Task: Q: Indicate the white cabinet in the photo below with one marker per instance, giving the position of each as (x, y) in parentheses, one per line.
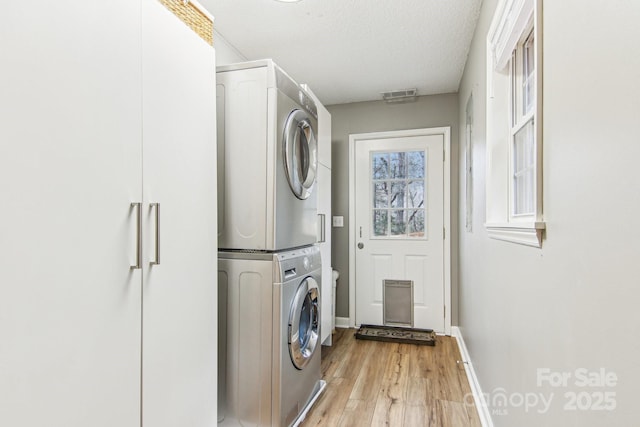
(324, 220)
(78, 138)
(326, 288)
(179, 358)
(70, 165)
(180, 293)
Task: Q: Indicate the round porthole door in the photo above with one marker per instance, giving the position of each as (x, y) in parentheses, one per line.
(304, 323)
(300, 153)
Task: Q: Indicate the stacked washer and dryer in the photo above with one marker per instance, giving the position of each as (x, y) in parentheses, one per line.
(269, 268)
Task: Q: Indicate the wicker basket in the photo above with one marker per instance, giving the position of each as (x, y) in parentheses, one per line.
(192, 15)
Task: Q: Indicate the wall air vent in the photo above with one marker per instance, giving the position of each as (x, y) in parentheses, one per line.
(403, 95)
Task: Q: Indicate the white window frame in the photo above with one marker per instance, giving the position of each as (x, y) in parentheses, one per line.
(513, 23)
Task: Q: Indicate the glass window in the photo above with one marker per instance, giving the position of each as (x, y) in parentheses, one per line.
(415, 194)
(415, 223)
(523, 145)
(380, 223)
(380, 165)
(398, 222)
(381, 195)
(524, 170)
(528, 77)
(415, 164)
(398, 165)
(398, 192)
(398, 183)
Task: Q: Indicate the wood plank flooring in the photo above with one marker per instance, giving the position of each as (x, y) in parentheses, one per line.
(372, 383)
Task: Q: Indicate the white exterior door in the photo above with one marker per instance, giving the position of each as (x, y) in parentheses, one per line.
(399, 225)
(179, 337)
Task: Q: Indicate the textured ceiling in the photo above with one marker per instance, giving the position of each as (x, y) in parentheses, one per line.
(351, 50)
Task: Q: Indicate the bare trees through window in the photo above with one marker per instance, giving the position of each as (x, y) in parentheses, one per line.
(398, 180)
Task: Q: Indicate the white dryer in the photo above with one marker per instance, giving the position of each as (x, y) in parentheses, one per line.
(267, 159)
(269, 336)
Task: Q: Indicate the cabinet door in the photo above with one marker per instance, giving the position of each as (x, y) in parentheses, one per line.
(324, 209)
(179, 293)
(326, 288)
(70, 166)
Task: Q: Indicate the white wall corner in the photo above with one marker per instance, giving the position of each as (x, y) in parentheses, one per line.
(474, 384)
(342, 322)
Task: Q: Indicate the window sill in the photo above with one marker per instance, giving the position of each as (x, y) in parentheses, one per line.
(525, 233)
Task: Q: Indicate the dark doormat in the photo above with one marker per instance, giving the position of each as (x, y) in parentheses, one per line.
(396, 334)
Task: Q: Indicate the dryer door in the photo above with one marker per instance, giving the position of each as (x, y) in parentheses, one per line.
(300, 153)
(304, 323)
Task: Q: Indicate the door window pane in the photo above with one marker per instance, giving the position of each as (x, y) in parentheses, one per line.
(398, 165)
(381, 196)
(398, 191)
(415, 223)
(380, 223)
(380, 165)
(415, 164)
(398, 222)
(415, 194)
(398, 199)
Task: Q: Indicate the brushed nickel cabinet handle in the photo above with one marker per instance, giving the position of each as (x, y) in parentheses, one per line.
(323, 231)
(157, 206)
(138, 263)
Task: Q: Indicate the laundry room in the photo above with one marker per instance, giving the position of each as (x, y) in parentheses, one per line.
(256, 98)
(297, 213)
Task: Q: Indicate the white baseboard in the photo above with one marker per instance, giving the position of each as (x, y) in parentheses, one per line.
(478, 397)
(342, 322)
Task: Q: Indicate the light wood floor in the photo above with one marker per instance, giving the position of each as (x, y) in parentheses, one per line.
(372, 383)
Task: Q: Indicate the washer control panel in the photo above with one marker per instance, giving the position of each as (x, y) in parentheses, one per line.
(297, 262)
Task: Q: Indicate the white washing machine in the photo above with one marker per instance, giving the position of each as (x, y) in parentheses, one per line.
(267, 159)
(269, 337)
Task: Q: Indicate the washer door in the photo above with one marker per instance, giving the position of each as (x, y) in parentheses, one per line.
(304, 323)
(300, 153)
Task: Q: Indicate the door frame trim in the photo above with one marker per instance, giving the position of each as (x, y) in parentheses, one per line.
(353, 140)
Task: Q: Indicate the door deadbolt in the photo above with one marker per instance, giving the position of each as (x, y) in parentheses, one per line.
(360, 245)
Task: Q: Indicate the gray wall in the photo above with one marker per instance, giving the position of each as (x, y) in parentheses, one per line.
(377, 116)
(574, 303)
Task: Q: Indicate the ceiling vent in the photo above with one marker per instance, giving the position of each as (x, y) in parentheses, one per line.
(403, 95)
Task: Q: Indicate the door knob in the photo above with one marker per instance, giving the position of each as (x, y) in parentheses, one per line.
(360, 245)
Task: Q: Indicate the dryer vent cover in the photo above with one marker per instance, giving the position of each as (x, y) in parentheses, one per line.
(397, 303)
